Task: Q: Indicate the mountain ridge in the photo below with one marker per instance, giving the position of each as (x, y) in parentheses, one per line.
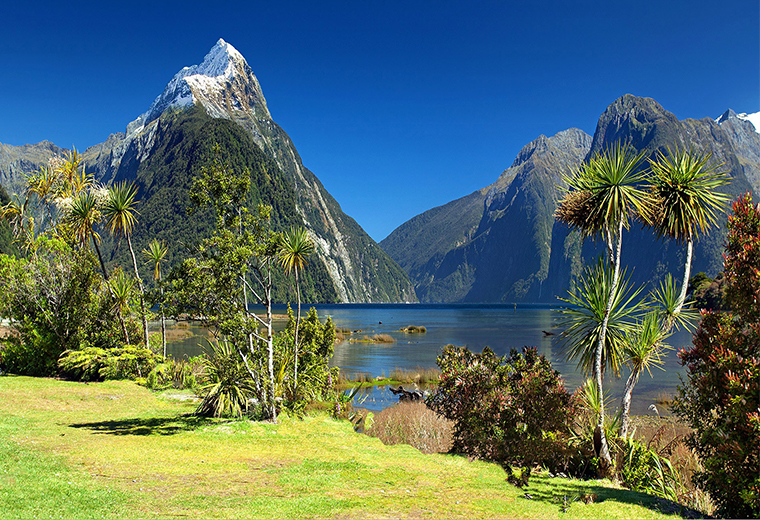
(500, 261)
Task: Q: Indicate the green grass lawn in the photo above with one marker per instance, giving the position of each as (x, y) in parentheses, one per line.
(117, 450)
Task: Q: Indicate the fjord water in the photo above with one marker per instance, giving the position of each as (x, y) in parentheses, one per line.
(499, 326)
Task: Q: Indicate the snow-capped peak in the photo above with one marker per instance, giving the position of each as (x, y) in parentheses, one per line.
(220, 61)
(219, 67)
(752, 118)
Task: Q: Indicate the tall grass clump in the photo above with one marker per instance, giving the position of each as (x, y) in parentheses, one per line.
(414, 424)
(418, 375)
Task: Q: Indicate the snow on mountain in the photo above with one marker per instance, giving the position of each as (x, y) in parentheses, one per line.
(752, 118)
(203, 84)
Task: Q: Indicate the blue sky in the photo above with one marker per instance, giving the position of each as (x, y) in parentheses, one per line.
(397, 106)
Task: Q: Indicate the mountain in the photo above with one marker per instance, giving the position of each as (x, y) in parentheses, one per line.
(517, 252)
(207, 98)
(15, 161)
(492, 245)
(744, 132)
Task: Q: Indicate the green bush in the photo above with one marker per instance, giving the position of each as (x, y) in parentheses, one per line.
(97, 364)
(645, 470)
(228, 385)
(57, 301)
(176, 373)
(35, 356)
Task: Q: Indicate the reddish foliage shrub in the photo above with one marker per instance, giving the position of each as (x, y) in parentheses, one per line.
(512, 410)
(721, 398)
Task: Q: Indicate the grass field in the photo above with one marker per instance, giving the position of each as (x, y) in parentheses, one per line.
(115, 450)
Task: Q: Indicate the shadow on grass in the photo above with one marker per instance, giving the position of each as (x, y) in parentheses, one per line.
(564, 495)
(152, 426)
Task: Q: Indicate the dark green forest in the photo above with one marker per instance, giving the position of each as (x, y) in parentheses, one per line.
(184, 143)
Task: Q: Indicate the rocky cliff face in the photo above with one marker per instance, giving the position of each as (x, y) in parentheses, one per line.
(745, 138)
(499, 248)
(517, 252)
(16, 161)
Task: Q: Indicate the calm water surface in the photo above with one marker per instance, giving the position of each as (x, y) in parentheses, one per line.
(500, 327)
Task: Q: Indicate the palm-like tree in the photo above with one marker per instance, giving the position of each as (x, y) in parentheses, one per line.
(154, 255)
(44, 184)
(295, 249)
(21, 223)
(582, 320)
(604, 195)
(82, 217)
(684, 183)
(121, 287)
(643, 349)
(121, 217)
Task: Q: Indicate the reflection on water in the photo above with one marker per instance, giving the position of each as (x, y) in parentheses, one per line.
(500, 327)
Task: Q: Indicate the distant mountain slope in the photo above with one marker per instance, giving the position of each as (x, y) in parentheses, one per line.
(16, 161)
(519, 253)
(184, 141)
(492, 245)
(745, 137)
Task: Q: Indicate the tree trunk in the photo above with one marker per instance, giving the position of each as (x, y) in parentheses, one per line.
(598, 368)
(298, 321)
(163, 321)
(686, 275)
(100, 257)
(270, 350)
(142, 292)
(626, 402)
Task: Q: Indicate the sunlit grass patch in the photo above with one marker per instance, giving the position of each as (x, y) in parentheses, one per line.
(117, 450)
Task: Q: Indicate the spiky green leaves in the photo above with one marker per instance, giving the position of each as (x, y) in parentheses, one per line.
(154, 255)
(684, 183)
(83, 215)
(644, 345)
(119, 209)
(296, 246)
(582, 321)
(606, 190)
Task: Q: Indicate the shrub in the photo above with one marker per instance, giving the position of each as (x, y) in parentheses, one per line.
(644, 470)
(512, 410)
(414, 329)
(35, 355)
(57, 301)
(97, 364)
(228, 386)
(720, 399)
(176, 373)
(414, 424)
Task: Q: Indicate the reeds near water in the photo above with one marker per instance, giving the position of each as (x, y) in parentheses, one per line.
(417, 375)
